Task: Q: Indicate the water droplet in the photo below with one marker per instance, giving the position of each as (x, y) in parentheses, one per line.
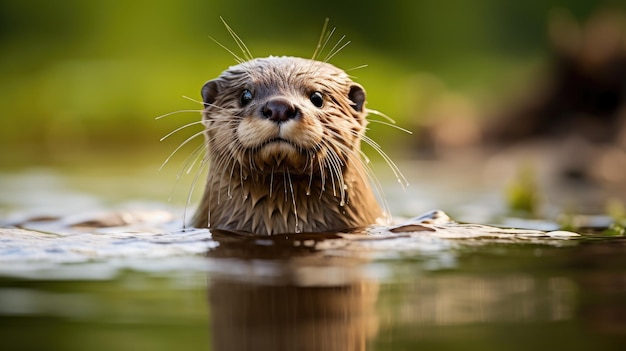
(297, 229)
(342, 203)
(244, 197)
(308, 192)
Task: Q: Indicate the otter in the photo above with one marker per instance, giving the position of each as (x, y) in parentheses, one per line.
(283, 138)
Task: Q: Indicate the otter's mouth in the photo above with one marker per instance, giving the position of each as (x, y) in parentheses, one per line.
(286, 142)
(279, 141)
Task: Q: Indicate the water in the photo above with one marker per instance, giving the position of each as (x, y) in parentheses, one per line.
(139, 283)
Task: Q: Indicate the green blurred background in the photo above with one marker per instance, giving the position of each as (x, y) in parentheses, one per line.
(91, 76)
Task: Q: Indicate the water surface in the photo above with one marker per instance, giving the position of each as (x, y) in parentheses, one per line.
(142, 283)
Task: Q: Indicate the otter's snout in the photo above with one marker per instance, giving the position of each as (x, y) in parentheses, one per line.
(279, 110)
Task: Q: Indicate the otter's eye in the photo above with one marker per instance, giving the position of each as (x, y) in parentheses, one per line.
(317, 99)
(246, 97)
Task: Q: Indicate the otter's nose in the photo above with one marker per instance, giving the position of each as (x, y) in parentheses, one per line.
(279, 110)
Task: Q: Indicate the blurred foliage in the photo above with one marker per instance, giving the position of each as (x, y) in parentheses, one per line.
(78, 75)
(522, 193)
(616, 209)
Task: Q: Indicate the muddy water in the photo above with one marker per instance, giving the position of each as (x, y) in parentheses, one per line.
(101, 262)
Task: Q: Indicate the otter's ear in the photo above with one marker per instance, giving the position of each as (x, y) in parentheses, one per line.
(209, 92)
(357, 96)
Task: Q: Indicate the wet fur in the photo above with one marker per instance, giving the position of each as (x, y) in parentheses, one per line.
(305, 174)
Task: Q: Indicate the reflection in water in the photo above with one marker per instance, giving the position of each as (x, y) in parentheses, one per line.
(286, 317)
(309, 301)
(285, 293)
(282, 294)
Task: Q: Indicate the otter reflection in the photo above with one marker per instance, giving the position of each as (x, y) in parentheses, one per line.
(281, 293)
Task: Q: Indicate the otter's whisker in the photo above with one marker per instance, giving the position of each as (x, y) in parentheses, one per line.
(334, 51)
(193, 155)
(311, 159)
(293, 201)
(367, 172)
(319, 46)
(251, 163)
(271, 182)
(331, 51)
(396, 171)
(241, 179)
(334, 166)
(355, 68)
(179, 147)
(398, 174)
(203, 165)
(193, 100)
(237, 58)
(339, 165)
(176, 112)
(329, 166)
(371, 176)
(223, 161)
(224, 164)
(378, 113)
(378, 188)
(391, 125)
(322, 164)
(179, 129)
(366, 160)
(232, 172)
(242, 46)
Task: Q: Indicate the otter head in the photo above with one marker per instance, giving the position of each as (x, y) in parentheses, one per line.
(283, 143)
(283, 113)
